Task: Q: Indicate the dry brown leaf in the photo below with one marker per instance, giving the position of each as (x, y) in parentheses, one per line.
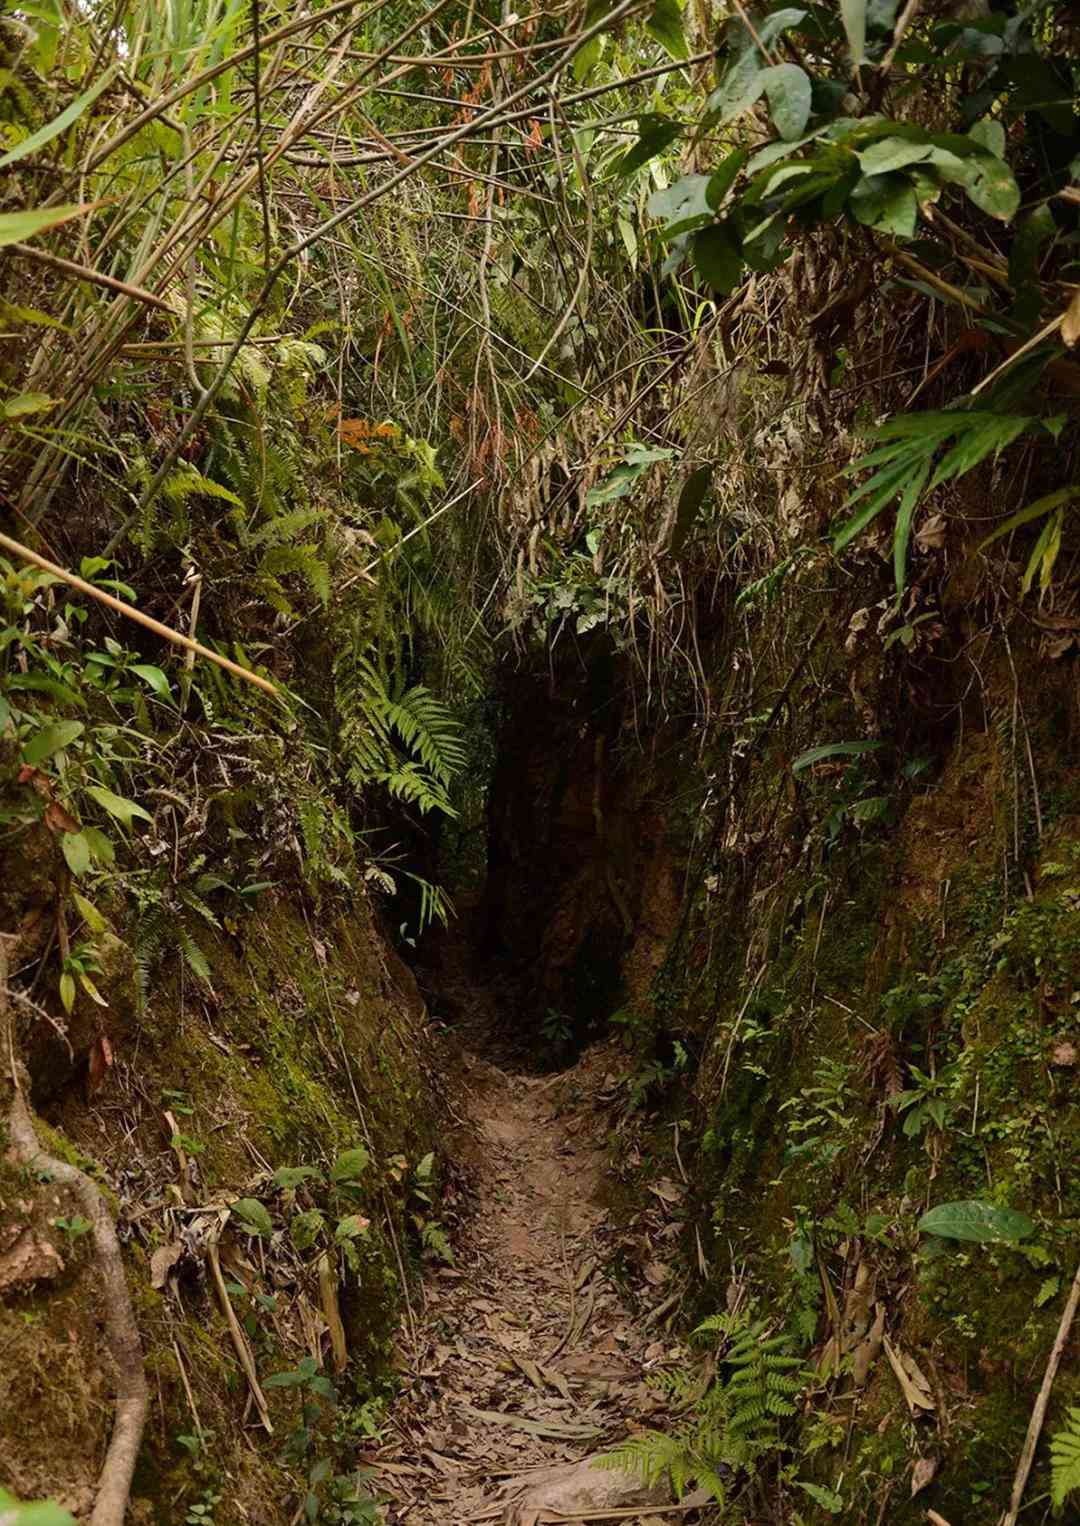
(868, 1351)
(913, 1384)
(1070, 324)
(162, 1262)
(922, 1474)
(57, 819)
(101, 1058)
(930, 536)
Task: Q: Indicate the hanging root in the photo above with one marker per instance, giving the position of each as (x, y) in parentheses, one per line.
(121, 1330)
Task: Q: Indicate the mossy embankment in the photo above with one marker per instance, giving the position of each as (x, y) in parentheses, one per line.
(305, 1050)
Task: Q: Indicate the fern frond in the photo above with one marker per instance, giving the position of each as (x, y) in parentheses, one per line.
(283, 529)
(303, 559)
(1065, 1459)
(194, 956)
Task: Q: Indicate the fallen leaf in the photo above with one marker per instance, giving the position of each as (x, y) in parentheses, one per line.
(930, 536)
(101, 1058)
(922, 1474)
(57, 819)
(913, 1384)
(867, 1351)
(162, 1262)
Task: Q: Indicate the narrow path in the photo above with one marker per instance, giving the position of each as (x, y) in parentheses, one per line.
(529, 1359)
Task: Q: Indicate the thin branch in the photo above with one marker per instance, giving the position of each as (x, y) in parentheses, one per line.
(166, 632)
(94, 277)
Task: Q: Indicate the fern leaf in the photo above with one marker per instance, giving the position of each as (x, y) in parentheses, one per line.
(1065, 1459)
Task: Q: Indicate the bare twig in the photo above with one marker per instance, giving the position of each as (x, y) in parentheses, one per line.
(1038, 1414)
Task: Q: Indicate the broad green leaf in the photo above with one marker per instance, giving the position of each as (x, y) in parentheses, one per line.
(76, 851)
(832, 750)
(89, 912)
(989, 134)
(125, 811)
(787, 90)
(17, 227)
(305, 1228)
(100, 846)
(292, 1176)
(253, 1216)
(853, 14)
(717, 257)
(154, 677)
(59, 124)
(892, 154)
(987, 181)
(292, 1379)
(885, 202)
(91, 990)
(980, 1223)
(350, 1165)
(67, 990)
(350, 1226)
(51, 739)
(740, 88)
(1031, 233)
(655, 133)
(724, 176)
(27, 402)
(682, 206)
(587, 58)
(666, 26)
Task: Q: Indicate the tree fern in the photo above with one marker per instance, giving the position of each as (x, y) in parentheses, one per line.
(1065, 1459)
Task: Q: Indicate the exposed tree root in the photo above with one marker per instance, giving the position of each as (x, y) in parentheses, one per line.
(121, 1330)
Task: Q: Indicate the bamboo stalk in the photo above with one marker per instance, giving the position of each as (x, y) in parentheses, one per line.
(166, 632)
(95, 277)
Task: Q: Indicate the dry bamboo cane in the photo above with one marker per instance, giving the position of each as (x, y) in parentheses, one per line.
(166, 632)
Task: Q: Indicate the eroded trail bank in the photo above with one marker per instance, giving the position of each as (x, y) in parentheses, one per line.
(528, 1358)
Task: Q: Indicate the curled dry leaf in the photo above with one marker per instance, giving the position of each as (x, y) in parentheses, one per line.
(101, 1058)
(162, 1262)
(57, 819)
(930, 536)
(922, 1474)
(912, 1380)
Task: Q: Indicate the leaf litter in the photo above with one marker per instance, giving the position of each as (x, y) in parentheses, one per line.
(530, 1361)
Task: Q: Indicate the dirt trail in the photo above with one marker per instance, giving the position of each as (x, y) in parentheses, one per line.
(528, 1356)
